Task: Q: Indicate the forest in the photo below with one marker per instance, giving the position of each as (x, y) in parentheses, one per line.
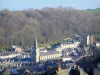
(48, 24)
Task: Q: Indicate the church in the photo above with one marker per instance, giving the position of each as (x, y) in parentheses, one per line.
(38, 56)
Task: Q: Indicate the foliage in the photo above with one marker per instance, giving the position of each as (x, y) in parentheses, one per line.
(49, 24)
(93, 10)
(97, 37)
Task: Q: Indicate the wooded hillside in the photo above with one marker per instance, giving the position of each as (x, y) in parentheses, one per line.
(49, 24)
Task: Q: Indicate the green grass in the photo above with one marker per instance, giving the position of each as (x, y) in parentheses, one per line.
(93, 10)
(44, 45)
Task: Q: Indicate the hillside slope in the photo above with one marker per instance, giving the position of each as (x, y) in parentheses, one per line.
(49, 24)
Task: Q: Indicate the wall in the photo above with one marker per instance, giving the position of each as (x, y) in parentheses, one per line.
(96, 71)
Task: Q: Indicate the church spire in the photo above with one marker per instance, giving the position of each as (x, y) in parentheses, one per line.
(35, 42)
(35, 51)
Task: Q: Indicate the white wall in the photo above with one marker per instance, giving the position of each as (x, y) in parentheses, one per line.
(98, 44)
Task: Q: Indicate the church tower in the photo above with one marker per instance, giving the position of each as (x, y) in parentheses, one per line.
(35, 51)
(90, 39)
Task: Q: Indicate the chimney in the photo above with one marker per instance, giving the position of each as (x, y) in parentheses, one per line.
(59, 67)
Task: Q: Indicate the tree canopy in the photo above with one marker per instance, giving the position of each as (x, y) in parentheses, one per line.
(50, 24)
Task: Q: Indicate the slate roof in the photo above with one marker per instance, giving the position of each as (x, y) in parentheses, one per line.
(67, 42)
(56, 45)
(49, 53)
(38, 67)
(66, 57)
(7, 53)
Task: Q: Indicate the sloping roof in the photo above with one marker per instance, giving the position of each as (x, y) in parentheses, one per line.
(67, 42)
(66, 57)
(49, 53)
(7, 53)
(56, 45)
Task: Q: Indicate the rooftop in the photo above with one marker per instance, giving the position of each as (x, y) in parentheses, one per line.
(67, 42)
(7, 53)
(49, 53)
